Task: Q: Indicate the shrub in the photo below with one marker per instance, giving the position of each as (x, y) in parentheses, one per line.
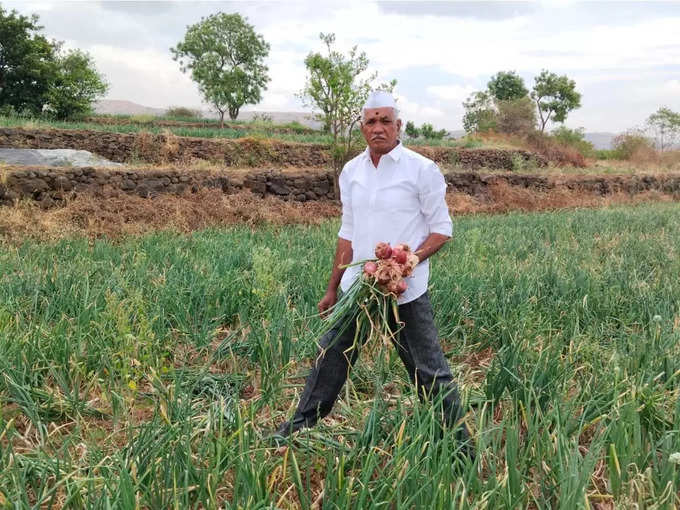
(606, 154)
(182, 112)
(634, 146)
(262, 118)
(554, 151)
(574, 138)
(516, 116)
(671, 159)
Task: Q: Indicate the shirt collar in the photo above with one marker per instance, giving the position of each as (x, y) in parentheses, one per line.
(395, 153)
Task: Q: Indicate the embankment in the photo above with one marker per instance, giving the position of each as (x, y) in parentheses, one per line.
(168, 148)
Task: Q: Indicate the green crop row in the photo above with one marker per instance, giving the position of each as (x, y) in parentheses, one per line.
(253, 130)
(147, 372)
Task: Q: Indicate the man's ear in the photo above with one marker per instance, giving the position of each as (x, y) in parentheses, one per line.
(399, 125)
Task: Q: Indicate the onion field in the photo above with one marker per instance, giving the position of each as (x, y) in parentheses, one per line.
(148, 372)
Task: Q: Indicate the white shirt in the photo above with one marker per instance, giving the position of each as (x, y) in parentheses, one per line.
(400, 201)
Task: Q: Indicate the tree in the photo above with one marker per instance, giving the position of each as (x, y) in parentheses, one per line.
(480, 113)
(333, 86)
(507, 86)
(429, 132)
(515, 116)
(665, 126)
(226, 60)
(555, 96)
(76, 85)
(27, 63)
(411, 130)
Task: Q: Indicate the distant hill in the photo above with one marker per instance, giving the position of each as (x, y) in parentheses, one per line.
(601, 140)
(123, 107)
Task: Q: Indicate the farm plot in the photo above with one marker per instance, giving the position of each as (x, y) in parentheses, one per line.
(147, 372)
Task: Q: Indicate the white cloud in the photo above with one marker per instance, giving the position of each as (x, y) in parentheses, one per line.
(451, 92)
(672, 87)
(626, 64)
(411, 110)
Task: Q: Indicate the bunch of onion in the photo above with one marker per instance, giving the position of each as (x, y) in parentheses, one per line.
(391, 267)
(371, 300)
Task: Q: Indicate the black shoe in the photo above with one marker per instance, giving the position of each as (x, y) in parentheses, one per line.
(285, 430)
(467, 444)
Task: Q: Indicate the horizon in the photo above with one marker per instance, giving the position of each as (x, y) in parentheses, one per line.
(623, 56)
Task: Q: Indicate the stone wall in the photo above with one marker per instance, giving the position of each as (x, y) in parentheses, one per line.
(49, 186)
(160, 149)
(478, 184)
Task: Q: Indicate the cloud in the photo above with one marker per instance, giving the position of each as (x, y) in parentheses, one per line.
(412, 110)
(451, 92)
(672, 87)
(624, 57)
(479, 10)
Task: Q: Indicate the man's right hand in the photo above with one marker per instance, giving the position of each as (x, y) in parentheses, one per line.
(327, 301)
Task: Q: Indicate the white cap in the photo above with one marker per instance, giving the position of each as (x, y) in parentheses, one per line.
(380, 99)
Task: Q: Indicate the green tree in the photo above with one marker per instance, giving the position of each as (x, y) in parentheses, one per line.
(480, 113)
(555, 96)
(334, 88)
(226, 59)
(27, 63)
(76, 85)
(507, 86)
(429, 132)
(665, 127)
(411, 130)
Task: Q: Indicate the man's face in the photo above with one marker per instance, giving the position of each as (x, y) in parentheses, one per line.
(380, 129)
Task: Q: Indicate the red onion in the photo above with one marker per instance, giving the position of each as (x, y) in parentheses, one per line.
(370, 268)
(383, 251)
(399, 255)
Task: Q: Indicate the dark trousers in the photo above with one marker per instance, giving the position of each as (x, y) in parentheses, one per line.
(418, 346)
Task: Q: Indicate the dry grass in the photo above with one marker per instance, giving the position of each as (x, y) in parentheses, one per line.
(124, 215)
(132, 215)
(504, 198)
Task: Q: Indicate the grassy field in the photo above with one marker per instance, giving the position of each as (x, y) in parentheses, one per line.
(147, 372)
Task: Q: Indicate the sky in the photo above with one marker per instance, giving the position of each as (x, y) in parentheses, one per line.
(623, 56)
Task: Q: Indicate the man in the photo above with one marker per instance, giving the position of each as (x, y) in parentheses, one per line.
(392, 194)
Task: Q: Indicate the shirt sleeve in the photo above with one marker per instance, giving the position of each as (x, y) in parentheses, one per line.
(433, 201)
(347, 225)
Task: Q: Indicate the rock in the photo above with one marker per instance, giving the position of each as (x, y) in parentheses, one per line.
(32, 186)
(278, 188)
(62, 183)
(53, 157)
(128, 185)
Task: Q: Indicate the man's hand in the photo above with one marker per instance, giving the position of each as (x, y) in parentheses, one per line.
(327, 301)
(430, 246)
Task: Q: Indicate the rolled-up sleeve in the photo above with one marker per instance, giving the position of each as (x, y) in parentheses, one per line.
(347, 225)
(433, 201)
